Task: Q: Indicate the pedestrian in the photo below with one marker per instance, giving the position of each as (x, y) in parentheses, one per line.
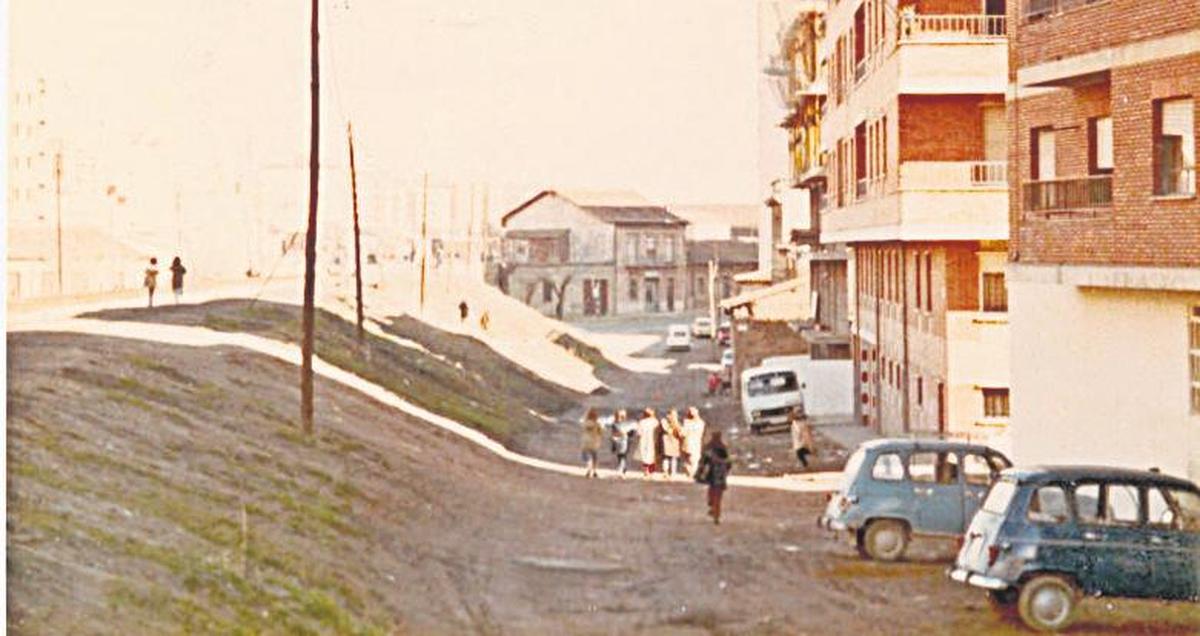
(177, 272)
(484, 321)
(619, 437)
(713, 470)
(802, 436)
(647, 429)
(151, 279)
(693, 438)
(592, 435)
(714, 383)
(672, 442)
(462, 311)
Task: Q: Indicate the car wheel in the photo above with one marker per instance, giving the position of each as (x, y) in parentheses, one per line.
(1047, 603)
(886, 540)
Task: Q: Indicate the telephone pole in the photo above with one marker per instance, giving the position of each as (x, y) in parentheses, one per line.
(310, 239)
(424, 234)
(357, 242)
(58, 214)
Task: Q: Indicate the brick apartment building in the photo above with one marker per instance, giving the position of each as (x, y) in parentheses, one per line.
(914, 128)
(1104, 276)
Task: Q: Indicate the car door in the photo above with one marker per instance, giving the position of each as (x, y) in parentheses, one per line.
(1173, 537)
(1114, 538)
(937, 491)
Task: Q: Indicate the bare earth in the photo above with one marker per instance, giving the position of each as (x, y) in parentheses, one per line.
(131, 464)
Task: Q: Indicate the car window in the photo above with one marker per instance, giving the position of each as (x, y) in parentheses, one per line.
(1124, 504)
(1087, 503)
(999, 462)
(1173, 508)
(888, 467)
(1048, 505)
(1159, 511)
(933, 468)
(978, 470)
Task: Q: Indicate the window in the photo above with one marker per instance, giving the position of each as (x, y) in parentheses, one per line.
(978, 470)
(1158, 511)
(1043, 159)
(1111, 504)
(633, 289)
(917, 269)
(1100, 145)
(928, 281)
(995, 402)
(1123, 503)
(995, 293)
(1174, 147)
(933, 468)
(1186, 510)
(999, 497)
(888, 468)
(547, 291)
(920, 391)
(1048, 505)
(1194, 356)
(650, 248)
(631, 248)
(1087, 503)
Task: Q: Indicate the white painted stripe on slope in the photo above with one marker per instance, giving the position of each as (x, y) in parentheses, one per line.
(203, 337)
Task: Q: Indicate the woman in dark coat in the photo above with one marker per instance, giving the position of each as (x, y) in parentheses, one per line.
(177, 272)
(713, 469)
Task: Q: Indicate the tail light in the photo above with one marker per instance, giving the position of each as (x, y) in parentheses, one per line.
(959, 542)
(993, 554)
(828, 497)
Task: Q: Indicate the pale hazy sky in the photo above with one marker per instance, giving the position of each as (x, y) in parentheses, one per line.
(652, 95)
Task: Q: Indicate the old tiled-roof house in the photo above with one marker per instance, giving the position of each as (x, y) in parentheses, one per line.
(602, 257)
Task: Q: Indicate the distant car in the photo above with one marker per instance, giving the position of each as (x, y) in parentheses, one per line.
(702, 327)
(1045, 536)
(727, 360)
(724, 335)
(678, 338)
(893, 489)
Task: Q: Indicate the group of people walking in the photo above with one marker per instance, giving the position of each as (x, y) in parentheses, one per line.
(667, 446)
(150, 281)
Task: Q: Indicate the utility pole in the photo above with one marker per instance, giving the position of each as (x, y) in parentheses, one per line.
(357, 242)
(178, 223)
(310, 239)
(58, 214)
(424, 234)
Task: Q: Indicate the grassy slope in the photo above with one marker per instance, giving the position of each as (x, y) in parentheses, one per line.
(484, 390)
(130, 469)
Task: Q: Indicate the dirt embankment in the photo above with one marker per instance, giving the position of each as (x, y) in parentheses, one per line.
(465, 380)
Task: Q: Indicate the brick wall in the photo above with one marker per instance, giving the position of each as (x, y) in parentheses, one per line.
(943, 127)
(1139, 228)
(1096, 25)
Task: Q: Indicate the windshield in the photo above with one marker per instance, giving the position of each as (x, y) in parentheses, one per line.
(679, 331)
(999, 497)
(851, 471)
(771, 383)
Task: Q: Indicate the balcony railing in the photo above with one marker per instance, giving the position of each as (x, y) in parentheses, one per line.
(914, 26)
(989, 173)
(1065, 195)
(860, 70)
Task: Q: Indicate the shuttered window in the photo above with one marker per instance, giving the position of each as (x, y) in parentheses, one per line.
(1175, 147)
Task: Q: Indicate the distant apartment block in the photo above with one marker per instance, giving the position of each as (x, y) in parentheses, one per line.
(1105, 250)
(915, 134)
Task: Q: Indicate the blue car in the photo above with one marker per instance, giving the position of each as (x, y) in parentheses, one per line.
(1046, 536)
(893, 489)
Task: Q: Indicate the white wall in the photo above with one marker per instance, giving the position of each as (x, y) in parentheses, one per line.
(1100, 376)
(591, 239)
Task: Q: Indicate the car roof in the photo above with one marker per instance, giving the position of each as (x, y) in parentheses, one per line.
(1045, 474)
(901, 443)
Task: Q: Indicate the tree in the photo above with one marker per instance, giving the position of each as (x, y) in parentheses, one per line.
(560, 292)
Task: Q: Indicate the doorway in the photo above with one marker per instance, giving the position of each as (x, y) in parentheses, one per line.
(652, 302)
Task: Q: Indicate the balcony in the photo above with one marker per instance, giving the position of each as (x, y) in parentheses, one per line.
(933, 200)
(952, 28)
(1066, 196)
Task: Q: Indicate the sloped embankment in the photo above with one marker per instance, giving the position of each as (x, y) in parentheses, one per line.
(465, 380)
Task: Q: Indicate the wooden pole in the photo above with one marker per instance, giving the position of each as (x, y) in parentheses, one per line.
(310, 238)
(424, 233)
(58, 214)
(357, 241)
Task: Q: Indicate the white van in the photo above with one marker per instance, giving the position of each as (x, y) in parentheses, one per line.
(768, 395)
(679, 338)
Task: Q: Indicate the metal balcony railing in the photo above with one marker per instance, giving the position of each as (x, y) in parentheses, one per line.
(989, 173)
(915, 26)
(1064, 195)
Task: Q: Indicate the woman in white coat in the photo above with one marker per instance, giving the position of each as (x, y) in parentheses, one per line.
(647, 429)
(693, 438)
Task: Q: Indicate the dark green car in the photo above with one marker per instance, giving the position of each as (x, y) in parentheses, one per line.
(1045, 536)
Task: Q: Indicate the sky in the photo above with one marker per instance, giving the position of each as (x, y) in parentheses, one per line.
(653, 96)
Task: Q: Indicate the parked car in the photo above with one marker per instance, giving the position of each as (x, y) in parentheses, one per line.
(702, 327)
(893, 489)
(1045, 536)
(724, 335)
(726, 360)
(769, 393)
(678, 338)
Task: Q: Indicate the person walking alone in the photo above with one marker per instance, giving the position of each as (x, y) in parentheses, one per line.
(802, 437)
(177, 272)
(693, 439)
(713, 471)
(151, 279)
(619, 436)
(672, 431)
(647, 429)
(593, 434)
